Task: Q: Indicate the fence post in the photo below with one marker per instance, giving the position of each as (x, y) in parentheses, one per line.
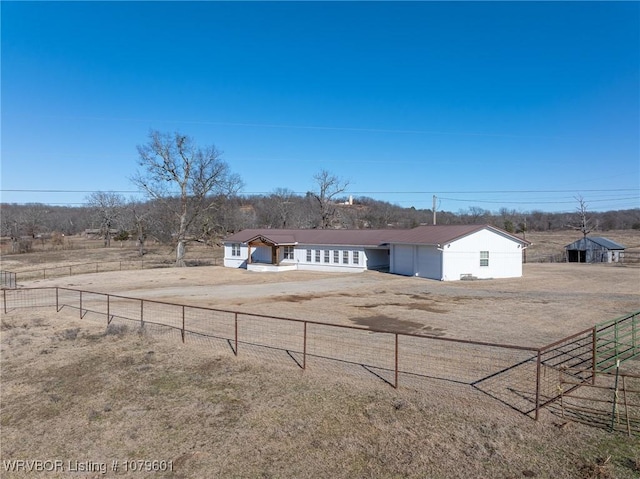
(183, 324)
(538, 368)
(80, 304)
(304, 347)
(236, 334)
(615, 396)
(142, 313)
(4, 300)
(396, 372)
(44, 273)
(615, 336)
(69, 270)
(108, 311)
(594, 355)
(57, 303)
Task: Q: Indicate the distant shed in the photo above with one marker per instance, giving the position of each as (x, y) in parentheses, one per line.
(594, 250)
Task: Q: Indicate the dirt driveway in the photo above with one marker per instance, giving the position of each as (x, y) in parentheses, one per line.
(550, 301)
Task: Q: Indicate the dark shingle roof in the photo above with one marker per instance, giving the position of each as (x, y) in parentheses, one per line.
(426, 235)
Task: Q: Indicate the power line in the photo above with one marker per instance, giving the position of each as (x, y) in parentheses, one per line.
(68, 191)
(491, 191)
(537, 202)
(311, 127)
(458, 192)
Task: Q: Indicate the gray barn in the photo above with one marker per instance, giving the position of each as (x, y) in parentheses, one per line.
(594, 250)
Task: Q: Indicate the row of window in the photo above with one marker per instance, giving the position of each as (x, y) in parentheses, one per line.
(326, 256)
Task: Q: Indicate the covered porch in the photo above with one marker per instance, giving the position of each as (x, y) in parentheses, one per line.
(270, 254)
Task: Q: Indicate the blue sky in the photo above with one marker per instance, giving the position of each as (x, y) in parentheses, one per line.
(522, 105)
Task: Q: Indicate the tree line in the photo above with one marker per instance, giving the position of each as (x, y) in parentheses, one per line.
(193, 196)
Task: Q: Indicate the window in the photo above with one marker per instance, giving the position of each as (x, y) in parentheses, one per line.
(336, 256)
(308, 256)
(326, 256)
(484, 258)
(317, 256)
(345, 257)
(288, 252)
(235, 249)
(356, 257)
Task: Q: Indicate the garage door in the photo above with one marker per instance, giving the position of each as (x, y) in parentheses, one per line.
(403, 260)
(429, 262)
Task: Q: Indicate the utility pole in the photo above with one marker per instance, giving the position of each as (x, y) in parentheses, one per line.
(434, 209)
(524, 237)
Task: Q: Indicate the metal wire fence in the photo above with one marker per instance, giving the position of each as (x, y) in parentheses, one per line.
(524, 378)
(101, 267)
(7, 279)
(569, 359)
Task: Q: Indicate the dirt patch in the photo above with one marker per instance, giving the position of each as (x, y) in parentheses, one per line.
(417, 306)
(395, 325)
(299, 298)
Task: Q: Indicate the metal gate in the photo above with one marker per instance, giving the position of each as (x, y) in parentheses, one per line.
(617, 340)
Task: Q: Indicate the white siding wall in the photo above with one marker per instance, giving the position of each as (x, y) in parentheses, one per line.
(235, 261)
(462, 257)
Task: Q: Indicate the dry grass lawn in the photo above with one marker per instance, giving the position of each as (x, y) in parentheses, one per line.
(75, 391)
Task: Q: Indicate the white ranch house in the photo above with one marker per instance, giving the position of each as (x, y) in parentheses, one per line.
(440, 252)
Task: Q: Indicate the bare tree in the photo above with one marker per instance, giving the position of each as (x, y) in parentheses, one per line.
(138, 219)
(277, 209)
(585, 222)
(329, 188)
(478, 215)
(187, 180)
(108, 207)
(11, 226)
